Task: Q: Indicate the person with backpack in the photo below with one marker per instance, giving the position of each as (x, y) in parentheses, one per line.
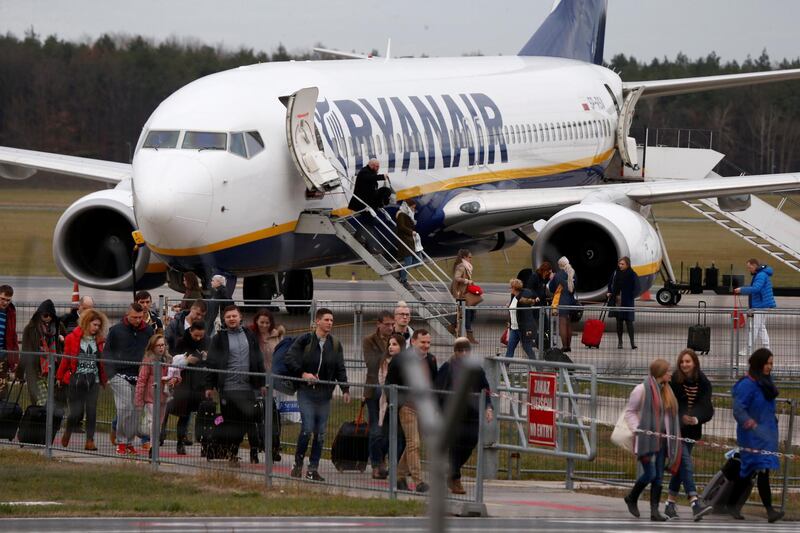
(316, 357)
(83, 374)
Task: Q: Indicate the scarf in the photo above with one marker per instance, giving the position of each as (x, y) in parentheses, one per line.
(652, 415)
(467, 269)
(564, 265)
(406, 209)
(767, 386)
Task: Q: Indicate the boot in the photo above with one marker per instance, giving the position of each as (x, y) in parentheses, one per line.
(180, 449)
(655, 500)
(379, 473)
(630, 335)
(90, 445)
(773, 515)
(619, 334)
(65, 438)
(113, 437)
(471, 337)
(633, 497)
(456, 487)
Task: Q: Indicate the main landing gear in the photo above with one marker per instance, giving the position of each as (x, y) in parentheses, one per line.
(297, 287)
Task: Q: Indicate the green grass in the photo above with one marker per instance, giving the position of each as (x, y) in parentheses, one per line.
(128, 490)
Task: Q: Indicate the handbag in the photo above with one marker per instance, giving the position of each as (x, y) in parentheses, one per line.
(622, 435)
(504, 337)
(417, 243)
(739, 317)
(473, 295)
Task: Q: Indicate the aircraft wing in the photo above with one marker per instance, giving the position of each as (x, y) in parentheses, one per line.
(655, 88)
(21, 164)
(484, 212)
(340, 54)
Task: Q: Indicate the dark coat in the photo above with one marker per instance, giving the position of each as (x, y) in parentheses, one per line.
(327, 366)
(395, 375)
(702, 409)
(525, 318)
(567, 298)
(445, 381)
(219, 352)
(127, 345)
(32, 338)
(12, 343)
(70, 320)
(218, 301)
(405, 232)
(189, 392)
(374, 348)
(174, 331)
(366, 189)
(624, 288)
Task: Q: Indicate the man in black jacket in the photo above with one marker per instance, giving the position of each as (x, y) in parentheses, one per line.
(126, 344)
(182, 322)
(316, 357)
(235, 350)
(410, 463)
(366, 189)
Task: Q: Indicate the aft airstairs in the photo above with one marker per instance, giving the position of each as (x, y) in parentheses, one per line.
(372, 236)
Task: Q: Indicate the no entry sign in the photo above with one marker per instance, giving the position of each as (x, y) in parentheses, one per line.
(541, 414)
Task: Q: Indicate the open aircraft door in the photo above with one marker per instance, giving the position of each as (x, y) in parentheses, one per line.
(304, 143)
(627, 145)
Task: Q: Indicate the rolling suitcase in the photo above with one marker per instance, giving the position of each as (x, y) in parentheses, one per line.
(33, 426)
(593, 331)
(350, 449)
(696, 279)
(205, 427)
(700, 334)
(10, 414)
(555, 355)
(721, 492)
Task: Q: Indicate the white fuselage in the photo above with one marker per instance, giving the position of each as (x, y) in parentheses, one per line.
(436, 126)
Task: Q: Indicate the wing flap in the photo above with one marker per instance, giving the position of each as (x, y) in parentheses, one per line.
(93, 169)
(655, 88)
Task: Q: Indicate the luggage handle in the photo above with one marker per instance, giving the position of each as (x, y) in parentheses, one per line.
(360, 418)
(702, 309)
(10, 388)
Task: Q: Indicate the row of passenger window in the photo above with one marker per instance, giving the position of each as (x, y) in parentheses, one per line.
(245, 144)
(515, 134)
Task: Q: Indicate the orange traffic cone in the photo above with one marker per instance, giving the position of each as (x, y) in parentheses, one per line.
(353, 277)
(646, 297)
(76, 297)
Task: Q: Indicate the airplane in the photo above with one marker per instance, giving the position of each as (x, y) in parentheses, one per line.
(226, 166)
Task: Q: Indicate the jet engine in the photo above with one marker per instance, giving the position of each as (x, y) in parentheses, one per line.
(593, 236)
(93, 245)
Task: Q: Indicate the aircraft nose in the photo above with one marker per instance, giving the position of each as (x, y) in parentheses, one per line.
(172, 199)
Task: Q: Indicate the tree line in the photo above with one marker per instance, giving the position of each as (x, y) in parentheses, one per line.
(91, 99)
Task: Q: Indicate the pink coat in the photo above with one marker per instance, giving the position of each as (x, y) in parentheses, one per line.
(144, 385)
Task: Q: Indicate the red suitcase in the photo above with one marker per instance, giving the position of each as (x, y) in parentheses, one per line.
(593, 333)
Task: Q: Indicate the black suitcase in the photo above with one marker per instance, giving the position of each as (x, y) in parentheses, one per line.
(712, 278)
(700, 334)
(261, 425)
(350, 449)
(555, 355)
(696, 280)
(204, 424)
(10, 414)
(721, 494)
(33, 426)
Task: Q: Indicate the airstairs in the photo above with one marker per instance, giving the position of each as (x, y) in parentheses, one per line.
(372, 236)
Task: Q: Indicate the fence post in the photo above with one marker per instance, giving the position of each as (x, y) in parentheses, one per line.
(461, 318)
(479, 466)
(155, 424)
(490, 433)
(540, 354)
(788, 449)
(570, 470)
(312, 312)
(392, 414)
(358, 321)
(162, 308)
(268, 404)
(50, 406)
(734, 359)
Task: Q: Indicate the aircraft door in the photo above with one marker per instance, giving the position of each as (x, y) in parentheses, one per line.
(627, 145)
(305, 145)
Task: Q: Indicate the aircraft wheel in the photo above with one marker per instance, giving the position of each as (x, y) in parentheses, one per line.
(665, 296)
(298, 285)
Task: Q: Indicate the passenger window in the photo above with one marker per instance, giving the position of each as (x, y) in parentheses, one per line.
(161, 139)
(237, 145)
(254, 143)
(530, 135)
(204, 140)
(519, 135)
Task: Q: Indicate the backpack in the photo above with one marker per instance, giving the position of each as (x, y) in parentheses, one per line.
(279, 368)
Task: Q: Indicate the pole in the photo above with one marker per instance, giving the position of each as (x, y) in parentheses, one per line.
(155, 424)
(392, 414)
(133, 269)
(479, 466)
(51, 404)
(788, 448)
(268, 429)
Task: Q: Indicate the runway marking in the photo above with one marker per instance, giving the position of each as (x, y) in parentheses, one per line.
(30, 504)
(557, 506)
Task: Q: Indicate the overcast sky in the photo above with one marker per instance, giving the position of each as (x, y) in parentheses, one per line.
(643, 28)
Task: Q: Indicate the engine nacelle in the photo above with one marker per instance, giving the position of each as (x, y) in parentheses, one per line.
(93, 245)
(593, 236)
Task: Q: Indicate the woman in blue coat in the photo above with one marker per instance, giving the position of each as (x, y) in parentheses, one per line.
(757, 426)
(623, 288)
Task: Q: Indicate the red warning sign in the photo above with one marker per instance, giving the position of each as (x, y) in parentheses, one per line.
(541, 411)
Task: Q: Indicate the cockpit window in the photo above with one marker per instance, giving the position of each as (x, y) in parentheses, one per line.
(254, 143)
(237, 145)
(161, 139)
(204, 140)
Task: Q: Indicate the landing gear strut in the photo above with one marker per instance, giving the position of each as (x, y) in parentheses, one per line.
(298, 285)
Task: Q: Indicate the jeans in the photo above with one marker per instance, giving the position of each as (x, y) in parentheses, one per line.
(407, 262)
(314, 410)
(653, 469)
(469, 316)
(685, 474)
(514, 338)
(376, 445)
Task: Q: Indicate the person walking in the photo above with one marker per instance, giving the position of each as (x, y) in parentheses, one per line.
(151, 318)
(757, 429)
(402, 321)
(623, 288)
(218, 300)
(467, 431)
(191, 356)
(562, 285)
(268, 335)
(182, 322)
(235, 350)
(760, 297)
(652, 415)
(43, 335)
(406, 232)
(315, 357)
(83, 373)
(537, 283)
(124, 350)
(693, 391)
(9, 345)
(374, 349)
(521, 324)
(192, 290)
(71, 318)
(147, 382)
(394, 346)
(462, 278)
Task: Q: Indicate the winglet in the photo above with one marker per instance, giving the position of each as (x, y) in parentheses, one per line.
(575, 29)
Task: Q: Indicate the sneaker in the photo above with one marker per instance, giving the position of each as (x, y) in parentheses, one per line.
(422, 487)
(671, 511)
(297, 471)
(121, 449)
(276, 456)
(180, 449)
(774, 516)
(130, 450)
(699, 510)
(402, 484)
(379, 473)
(146, 446)
(313, 475)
